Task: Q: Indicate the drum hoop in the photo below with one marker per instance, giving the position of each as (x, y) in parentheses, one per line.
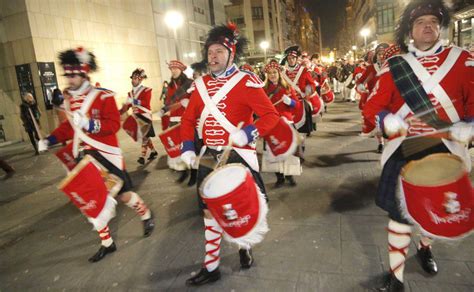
(413, 163)
(169, 129)
(201, 187)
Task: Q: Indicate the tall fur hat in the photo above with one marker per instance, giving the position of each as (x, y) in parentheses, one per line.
(78, 61)
(199, 67)
(290, 51)
(139, 72)
(228, 36)
(415, 9)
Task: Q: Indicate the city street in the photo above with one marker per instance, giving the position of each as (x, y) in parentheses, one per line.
(326, 233)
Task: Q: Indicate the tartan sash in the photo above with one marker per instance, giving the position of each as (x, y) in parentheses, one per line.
(413, 92)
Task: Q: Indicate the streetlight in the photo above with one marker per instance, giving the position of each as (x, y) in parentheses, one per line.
(174, 20)
(365, 33)
(264, 45)
(354, 49)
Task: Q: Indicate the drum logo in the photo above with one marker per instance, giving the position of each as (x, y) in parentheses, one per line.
(451, 204)
(229, 212)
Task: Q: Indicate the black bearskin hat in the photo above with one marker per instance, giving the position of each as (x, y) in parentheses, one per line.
(78, 61)
(291, 50)
(200, 67)
(139, 72)
(228, 36)
(415, 9)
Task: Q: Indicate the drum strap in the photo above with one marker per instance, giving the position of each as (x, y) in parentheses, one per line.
(294, 83)
(210, 104)
(79, 135)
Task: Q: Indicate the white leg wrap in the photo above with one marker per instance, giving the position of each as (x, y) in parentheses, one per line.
(399, 238)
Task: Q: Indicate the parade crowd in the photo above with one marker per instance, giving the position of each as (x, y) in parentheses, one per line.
(416, 99)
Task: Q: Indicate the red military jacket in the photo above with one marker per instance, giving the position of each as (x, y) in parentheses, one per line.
(370, 77)
(305, 79)
(456, 103)
(238, 105)
(276, 92)
(139, 100)
(175, 114)
(102, 112)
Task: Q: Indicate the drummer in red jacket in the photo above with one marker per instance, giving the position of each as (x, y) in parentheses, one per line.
(283, 97)
(139, 99)
(93, 127)
(412, 84)
(240, 96)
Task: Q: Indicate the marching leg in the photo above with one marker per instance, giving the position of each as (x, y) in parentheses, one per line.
(210, 270)
(280, 180)
(246, 257)
(144, 150)
(136, 203)
(398, 243)
(153, 152)
(107, 245)
(425, 257)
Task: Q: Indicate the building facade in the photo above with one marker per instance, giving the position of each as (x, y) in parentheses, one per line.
(123, 35)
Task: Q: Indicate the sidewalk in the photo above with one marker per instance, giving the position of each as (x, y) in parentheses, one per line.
(326, 233)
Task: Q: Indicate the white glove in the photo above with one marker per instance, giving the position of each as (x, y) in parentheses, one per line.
(239, 138)
(462, 132)
(43, 145)
(394, 124)
(161, 113)
(130, 100)
(184, 102)
(189, 158)
(286, 99)
(80, 121)
(361, 88)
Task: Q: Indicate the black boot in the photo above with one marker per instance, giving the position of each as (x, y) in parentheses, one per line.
(427, 262)
(183, 174)
(102, 252)
(192, 178)
(246, 258)
(148, 225)
(392, 284)
(380, 148)
(153, 155)
(290, 180)
(280, 180)
(141, 160)
(204, 277)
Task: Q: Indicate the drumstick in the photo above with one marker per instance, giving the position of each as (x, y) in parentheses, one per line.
(226, 153)
(424, 141)
(278, 102)
(35, 124)
(426, 112)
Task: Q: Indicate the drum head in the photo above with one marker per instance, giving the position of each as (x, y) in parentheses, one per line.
(434, 170)
(223, 180)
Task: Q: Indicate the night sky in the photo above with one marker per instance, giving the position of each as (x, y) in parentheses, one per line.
(331, 13)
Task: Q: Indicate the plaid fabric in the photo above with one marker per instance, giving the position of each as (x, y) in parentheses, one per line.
(386, 197)
(413, 93)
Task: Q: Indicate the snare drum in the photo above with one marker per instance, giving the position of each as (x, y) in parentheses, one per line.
(436, 195)
(235, 201)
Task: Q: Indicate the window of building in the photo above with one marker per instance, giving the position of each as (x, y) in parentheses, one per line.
(257, 12)
(385, 16)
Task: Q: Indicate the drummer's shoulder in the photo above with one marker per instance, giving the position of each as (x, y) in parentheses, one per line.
(252, 80)
(105, 93)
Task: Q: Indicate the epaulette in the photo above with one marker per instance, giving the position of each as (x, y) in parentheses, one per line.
(105, 93)
(253, 80)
